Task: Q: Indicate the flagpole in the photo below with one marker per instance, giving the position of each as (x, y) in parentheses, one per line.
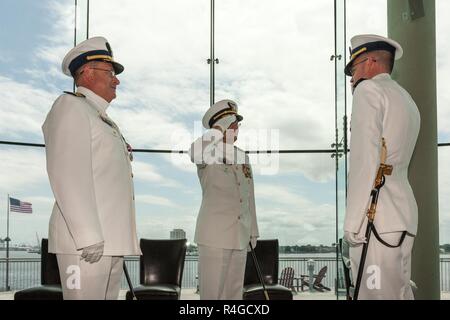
(7, 246)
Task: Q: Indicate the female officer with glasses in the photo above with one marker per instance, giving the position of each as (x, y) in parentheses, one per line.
(226, 222)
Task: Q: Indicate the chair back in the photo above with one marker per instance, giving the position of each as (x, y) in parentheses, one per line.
(321, 275)
(287, 277)
(49, 265)
(266, 252)
(162, 261)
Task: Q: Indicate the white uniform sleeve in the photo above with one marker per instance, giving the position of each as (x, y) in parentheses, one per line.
(365, 149)
(69, 166)
(204, 149)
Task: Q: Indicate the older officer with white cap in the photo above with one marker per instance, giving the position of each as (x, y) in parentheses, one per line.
(382, 109)
(226, 222)
(92, 225)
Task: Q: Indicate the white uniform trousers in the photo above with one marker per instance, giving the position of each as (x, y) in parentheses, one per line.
(221, 273)
(387, 271)
(82, 280)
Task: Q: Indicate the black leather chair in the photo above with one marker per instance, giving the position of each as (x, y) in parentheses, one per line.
(161, 270)
(267, 255)
(50, 288)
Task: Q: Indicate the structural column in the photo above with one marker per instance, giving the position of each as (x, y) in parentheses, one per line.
(412, 24)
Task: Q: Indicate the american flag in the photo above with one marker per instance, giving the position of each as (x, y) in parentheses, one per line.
(20, 206)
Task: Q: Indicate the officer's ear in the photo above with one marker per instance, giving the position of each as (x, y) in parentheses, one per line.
(88, 76)
(82, 74)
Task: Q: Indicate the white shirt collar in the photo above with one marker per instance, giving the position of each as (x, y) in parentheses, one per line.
(382, 76)
(100, 103)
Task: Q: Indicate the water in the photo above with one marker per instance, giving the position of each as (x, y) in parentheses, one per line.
(24, 254)
(19, 254)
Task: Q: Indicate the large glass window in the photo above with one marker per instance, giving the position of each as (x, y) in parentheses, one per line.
(363, 17)
(275, 59)
(443, 111)
(279, 69)
(167, 196)
(164, 46)
(273, 68)
(35, 37)
(296, 206)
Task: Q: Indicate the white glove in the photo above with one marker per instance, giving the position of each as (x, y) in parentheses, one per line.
(253, 241)
(225, 122)
(353, 239)
(93, 253)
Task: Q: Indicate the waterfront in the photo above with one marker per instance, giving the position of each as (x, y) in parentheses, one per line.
(25, 269)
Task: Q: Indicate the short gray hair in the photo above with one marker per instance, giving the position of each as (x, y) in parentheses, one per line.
(80, 70)
(384, 57)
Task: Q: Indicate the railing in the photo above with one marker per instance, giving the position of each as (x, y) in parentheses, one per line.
(300, 267)
(444, 267)
(25, 273)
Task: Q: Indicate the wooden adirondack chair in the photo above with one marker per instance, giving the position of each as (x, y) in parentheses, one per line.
(317, 284)
(287, 278)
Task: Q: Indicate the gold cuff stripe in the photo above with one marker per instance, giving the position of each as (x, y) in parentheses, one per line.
(358, 52)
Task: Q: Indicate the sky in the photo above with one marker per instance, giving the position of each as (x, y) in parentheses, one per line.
(274, 61)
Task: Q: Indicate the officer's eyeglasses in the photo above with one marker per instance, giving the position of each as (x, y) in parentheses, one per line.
(353, 69)
(112, 73)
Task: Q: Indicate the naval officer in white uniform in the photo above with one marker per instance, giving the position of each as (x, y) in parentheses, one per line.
(226, 222)
(92, 225)
(381, 109)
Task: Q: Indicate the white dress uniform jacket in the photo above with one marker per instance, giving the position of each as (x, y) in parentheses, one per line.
(91, 178)
(382, 108)
(227, 216)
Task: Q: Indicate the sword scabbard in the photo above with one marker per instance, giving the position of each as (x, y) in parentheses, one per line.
(371, 212)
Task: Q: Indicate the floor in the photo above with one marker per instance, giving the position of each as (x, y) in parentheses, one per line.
(189, 294)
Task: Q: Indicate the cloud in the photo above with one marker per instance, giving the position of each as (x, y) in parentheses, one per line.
(159, 225)
(164, 90)
(24, 109)
(155, 200)
(165, 86)
(148, 173)
(443, 70)
(360, 22)
(21, 169)
(290, 216)
(23, 176)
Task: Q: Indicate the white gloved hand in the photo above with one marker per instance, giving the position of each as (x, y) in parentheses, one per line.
(353, 239)
(93, 253)
(225, 123)
(253, 241)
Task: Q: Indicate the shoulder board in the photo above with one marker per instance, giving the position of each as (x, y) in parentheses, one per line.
(76, 94)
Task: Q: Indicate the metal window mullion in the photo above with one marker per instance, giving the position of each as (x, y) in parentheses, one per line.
(211, 58)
